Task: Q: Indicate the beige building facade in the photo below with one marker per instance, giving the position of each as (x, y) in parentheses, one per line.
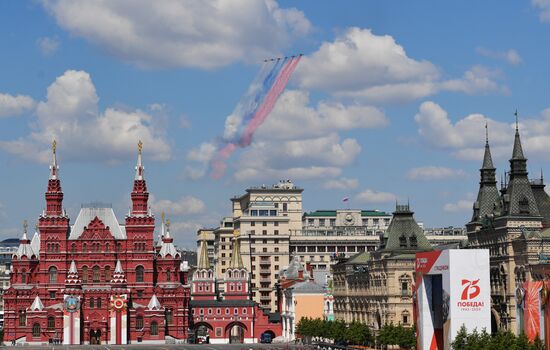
(375, 288)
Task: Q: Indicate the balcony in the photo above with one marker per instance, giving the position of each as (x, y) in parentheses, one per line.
(265, 260)
(265, 271)
(265, 280)
(265, 297)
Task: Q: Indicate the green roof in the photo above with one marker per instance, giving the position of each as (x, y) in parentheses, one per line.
(374, 213)
(404, 234)
(360, 258)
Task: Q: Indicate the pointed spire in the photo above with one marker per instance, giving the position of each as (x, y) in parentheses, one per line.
(204, 263)
(24, 238)
(236, 258)
(487, 159)
(517, 153)
(154, 303)
(167, 232)
(118, 267)
(37, 304)
(72, 269)
(54, 168)
(139, 165)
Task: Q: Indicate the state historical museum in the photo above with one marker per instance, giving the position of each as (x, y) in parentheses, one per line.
(97, 281)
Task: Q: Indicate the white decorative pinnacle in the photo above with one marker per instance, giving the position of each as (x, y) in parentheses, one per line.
(118, 267)
(37, 304)
(54, 168)
(72, 269)
(139, 165)
(154, 303)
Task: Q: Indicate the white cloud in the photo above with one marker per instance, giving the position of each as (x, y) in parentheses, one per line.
(15, 105)
(462, 205)
(203, 154)
(375, 68)
(465, 137)
(47, 46)
(185, 205)
(188, 33)
(318, 157)
(70, 115)
(293, 117)
(511, 56)
(544, 7)
(342, 183)
(372, 196)
(435, 173)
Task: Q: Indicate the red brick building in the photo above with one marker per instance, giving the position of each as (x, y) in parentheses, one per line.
(96, 281)
(231, 316)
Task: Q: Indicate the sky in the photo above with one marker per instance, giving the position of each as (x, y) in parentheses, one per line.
(389, 102)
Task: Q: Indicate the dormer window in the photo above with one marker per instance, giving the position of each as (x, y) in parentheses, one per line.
(413, 242)
(523, 205)
(402, 242)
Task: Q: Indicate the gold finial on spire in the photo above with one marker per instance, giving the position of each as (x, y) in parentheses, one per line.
(168, 222)
(516, 114)
(162, 215)
(54, 146)
(236, 233)
(140, 146)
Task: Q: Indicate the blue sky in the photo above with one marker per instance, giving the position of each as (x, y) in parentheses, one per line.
(389, 101)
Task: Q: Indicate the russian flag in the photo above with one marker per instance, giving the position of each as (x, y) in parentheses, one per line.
(345, 199)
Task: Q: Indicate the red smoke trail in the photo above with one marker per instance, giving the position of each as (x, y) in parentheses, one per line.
(269, 103)
(218, 165)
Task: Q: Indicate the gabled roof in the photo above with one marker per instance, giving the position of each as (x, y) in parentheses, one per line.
(404, 234)
(308, 287)
(106, 215)
(360, 258)
(154, 303)
(37, 304)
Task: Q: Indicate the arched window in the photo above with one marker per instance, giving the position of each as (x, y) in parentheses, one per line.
(96, 274)
(92, 304)
(22, 318)
(73, 247)
(106, 247)
(51, 323)
(403, 242)
(53, 274)
(139, 274)
(36, 330)
(107, 274)
(413, 242)
(85, 274)
(154, 328)
(168, 275)
(23, 276)
(139, 323)
(84, 247)
(98, 303)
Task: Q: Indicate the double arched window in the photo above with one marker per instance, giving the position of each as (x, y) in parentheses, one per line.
(139, 274)
(107, 274)
(53, 274)
(85, 274)
(51, 323)
(154, 328)
(36, 330)
(96, 274)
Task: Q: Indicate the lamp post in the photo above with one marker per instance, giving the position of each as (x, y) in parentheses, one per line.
(249, 233)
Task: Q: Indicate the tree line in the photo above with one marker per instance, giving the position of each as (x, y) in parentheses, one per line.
(497, 341)
(355, 333)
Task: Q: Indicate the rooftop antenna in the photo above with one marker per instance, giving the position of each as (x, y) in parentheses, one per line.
(516, 114)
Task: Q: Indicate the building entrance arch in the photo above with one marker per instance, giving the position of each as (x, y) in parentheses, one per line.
(202, 331)
(235, 331)
(95, 336)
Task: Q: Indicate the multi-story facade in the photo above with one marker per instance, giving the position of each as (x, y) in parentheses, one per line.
(7, 248)
(376, 287)
(442, 236)
(326, 234)
(265, 216)
(96, 281)
(230, 316)
(514, 224)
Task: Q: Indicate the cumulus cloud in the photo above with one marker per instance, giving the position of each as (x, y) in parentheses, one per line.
(175, 33)
(435, 173)
(510, 56)
(375, 68)
(462, 205)
(544, 7)
(15, 105)
(183, 206)
(465, 137)
(47, 46)
(372, 196)
(317, 157)
(342, 183)
(71, 115)
(293, 117)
